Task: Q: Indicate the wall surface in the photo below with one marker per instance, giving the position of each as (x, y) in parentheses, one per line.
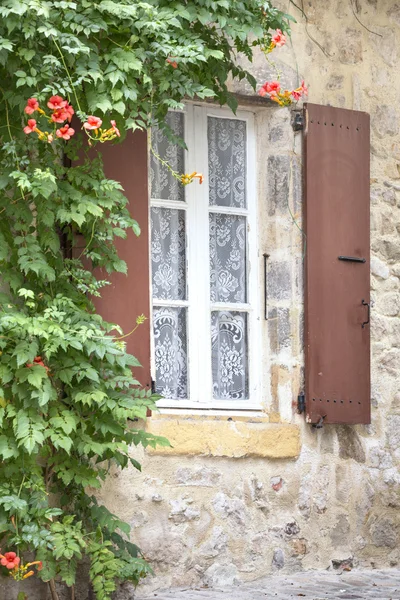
(214, 519)
(293, 498)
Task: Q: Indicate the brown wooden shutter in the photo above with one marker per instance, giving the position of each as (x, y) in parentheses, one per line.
(337, 281)
(128, 296)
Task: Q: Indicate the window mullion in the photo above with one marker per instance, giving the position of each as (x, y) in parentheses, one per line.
(192, 260)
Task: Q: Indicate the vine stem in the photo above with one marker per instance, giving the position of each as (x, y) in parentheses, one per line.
(53, 591)
(11, 137)
(72, 592)
(67, 72)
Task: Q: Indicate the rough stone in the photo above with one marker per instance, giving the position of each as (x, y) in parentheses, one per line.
(385, 121)
(221, 576)
(340, 533)
(321, 488)
(340, 564)
(234, 508)
(389, 304)
(291, 528)
(278, 559)
(394, 13)
(276, 483)
(385, 45)
(383, 533)
(335, 82)
(350, 47)
(216, 544)
(299, 547)
(379, 268)
(199, 477)
(181, 511)
(350, 445)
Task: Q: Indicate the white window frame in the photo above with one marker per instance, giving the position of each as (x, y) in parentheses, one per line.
(198, 301)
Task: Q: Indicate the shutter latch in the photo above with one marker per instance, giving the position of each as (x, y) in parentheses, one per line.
(301, 403)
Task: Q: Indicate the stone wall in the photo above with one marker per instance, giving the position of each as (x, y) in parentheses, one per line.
(212, 520)
(333, 500)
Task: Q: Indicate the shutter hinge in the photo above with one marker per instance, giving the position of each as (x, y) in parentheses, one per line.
(153, 386)
(301, 403)
(297, 121)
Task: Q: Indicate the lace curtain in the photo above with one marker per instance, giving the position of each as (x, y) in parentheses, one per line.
(228, 276)
(227, 162)
(168, 262)
(229, 355)
(162, 184)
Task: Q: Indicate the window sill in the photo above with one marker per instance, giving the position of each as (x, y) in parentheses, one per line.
(228, 436)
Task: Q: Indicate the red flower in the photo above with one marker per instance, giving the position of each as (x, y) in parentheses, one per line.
(59, 116)
(31, 106)
(115, 128)
(70, 111)
(270, 87)
(65, 132)
(173, 63)
(10, 560)
(304, 88)
(30, 128)
(92, 123)
(296, 95)
(279, 39)
(56, 102)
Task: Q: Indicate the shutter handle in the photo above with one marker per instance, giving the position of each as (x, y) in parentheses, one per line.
(368, 314)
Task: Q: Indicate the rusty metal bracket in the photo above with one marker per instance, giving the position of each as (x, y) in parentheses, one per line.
(297, 121)
(320, 423)
(301, 403)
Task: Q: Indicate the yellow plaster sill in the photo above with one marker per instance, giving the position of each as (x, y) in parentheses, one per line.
(216, 436)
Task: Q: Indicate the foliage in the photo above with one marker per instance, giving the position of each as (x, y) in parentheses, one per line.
(68, 398)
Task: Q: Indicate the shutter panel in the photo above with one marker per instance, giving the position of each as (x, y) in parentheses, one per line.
(337, 291)
(129, 295)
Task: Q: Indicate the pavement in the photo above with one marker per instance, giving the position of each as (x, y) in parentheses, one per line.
(311, 585)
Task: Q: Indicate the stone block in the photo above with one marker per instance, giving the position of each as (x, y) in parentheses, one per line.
(220, 437)
(279, 280)
(278, 184)
(279, 327)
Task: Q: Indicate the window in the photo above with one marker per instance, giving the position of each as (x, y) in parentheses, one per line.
(204, 263)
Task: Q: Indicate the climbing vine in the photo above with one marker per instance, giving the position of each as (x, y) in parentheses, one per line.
(74, 75)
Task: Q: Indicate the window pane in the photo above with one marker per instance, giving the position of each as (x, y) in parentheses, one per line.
(170, 350)
(162, 183)
(168, 253)
(227, 162)
(229, 355)
(227, 258)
